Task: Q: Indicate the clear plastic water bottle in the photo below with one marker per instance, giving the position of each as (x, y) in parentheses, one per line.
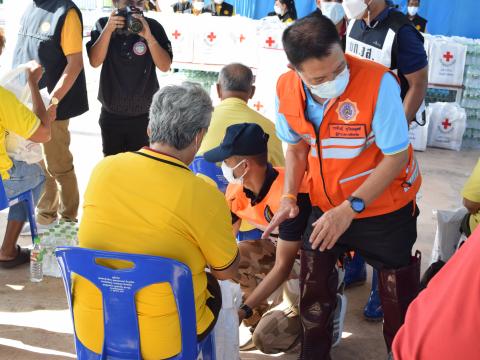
(36, 258)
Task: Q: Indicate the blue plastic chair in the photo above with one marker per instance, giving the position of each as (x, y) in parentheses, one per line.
(26, 196)
(201, 166)
(254, 234)
(118, 288)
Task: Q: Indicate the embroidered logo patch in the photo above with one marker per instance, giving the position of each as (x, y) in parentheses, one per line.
(347, 111)
(45, 27)
(268, 213)
(140, 48)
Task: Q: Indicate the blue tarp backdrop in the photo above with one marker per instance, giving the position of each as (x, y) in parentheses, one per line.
(449, 17)
(445, 17)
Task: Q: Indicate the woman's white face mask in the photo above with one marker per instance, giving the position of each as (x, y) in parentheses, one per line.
(333, 10)
(278, 10)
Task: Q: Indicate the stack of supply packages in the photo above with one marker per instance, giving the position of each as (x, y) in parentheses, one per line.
(471, 94)
(447, 121)
(63, 234)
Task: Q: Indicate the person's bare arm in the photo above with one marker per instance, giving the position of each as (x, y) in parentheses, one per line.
(46, 116)
(284, 259)
(418, 83)
(472, 206)
(69, 76)
(229, 273)
(295, 166)
(98, 51)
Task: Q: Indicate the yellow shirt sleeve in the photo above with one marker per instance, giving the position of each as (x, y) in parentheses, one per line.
(471, 190)
(15, 116)
(72, 34)
(218, 244)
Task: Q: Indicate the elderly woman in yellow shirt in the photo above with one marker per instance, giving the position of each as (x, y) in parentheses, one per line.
(18, 176)
(149, 202)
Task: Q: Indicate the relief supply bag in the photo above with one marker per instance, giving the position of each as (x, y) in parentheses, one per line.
(448, 233)
(226, 329)
(447, 124)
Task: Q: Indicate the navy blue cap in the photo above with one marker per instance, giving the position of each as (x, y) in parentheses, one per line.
(240, 139)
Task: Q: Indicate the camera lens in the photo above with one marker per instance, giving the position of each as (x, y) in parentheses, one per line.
(135, 25)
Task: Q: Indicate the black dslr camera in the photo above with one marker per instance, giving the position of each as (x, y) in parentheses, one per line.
(131, 23)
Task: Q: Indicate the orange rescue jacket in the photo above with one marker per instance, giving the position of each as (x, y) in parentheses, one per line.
(258, 215)
(346, 141)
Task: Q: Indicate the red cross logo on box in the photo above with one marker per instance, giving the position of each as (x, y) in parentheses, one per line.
(448, 56)
(211, 37)
(270, 41)
(446, 124)
(176, 34)
(258, 106)
(242, 38)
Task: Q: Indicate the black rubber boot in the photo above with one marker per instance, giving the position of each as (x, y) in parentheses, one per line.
(318, 298)
(397, 289)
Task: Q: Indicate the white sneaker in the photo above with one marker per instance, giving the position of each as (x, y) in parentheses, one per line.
(40, 228)
(339, 319)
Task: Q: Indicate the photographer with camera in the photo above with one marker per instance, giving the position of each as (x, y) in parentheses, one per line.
(130, 47)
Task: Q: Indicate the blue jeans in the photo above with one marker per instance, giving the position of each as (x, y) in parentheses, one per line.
(23, 177)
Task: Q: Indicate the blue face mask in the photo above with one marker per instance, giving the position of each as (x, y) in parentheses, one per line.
(334, 88)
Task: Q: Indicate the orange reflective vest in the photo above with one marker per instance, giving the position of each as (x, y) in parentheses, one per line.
(343, 152)
(260, 214)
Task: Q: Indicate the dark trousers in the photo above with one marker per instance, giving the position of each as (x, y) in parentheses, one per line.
(214, 304)
(386, 243)
(123, 133)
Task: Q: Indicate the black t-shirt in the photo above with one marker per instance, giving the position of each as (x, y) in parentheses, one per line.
(128, 79)
(420, 23)
(291, 229)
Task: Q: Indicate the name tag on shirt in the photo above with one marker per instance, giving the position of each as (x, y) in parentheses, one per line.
(348, 131)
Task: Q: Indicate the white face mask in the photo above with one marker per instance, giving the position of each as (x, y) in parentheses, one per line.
(412, 10)
(333, 10)
(218, 2)
(228, 173)
(354, 9)
(278, 10)
(334, 88)
(198, 5)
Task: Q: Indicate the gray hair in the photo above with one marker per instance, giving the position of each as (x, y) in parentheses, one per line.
(178, 113)
(236, 77)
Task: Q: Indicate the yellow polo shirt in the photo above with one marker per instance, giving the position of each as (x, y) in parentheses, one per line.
(139, 204)
(17, 118)
(233, 111)
(72, 34)
(471, 191)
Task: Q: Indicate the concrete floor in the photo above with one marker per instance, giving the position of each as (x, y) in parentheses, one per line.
(34, 317)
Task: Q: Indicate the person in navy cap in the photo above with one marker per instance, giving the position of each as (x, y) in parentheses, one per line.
(253, 195)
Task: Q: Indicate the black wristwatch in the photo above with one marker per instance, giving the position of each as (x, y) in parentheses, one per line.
(357, 204)
(248, 310)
